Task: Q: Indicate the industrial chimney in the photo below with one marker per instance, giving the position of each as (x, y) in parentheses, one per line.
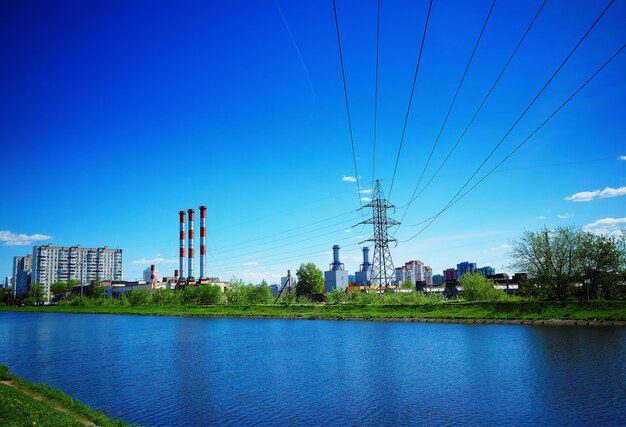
(152, 275)
(366, 266)
(190, 259)
(175, 276)
(202, 242)
(336, 265)
(181, 265)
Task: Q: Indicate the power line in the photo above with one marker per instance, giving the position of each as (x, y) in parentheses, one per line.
(520, 145)
(345, 93)
(478, 110)
(456, 94)
(408, 109)
(376, 93)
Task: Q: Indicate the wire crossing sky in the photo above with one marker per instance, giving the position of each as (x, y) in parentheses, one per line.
(118, 115)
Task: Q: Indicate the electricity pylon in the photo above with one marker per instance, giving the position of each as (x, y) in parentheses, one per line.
(382, 264)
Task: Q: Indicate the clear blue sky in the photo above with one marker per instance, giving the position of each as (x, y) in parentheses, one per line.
(116, 115)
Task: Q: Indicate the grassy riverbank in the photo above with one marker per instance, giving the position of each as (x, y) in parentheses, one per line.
(613, 311)
(24, 403)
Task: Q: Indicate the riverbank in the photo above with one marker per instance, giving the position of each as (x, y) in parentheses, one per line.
(518, 312)
(24, 403)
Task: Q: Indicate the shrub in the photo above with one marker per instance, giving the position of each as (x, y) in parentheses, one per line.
(477, 288)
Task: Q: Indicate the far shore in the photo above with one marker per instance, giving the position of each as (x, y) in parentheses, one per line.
(594, 313)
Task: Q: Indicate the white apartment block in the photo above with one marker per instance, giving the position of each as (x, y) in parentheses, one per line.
(60, 264)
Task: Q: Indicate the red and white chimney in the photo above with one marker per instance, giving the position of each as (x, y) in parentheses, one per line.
(175, 276)
(181, 265)
(202, 242)
(152, 275)
(190, 259)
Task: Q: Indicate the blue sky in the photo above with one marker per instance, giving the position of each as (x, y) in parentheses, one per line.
(117, 115)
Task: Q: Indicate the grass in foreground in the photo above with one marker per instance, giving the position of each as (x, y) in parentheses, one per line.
(24, 403)
(508, 310)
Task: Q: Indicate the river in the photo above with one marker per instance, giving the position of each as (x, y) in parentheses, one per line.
(194, 371)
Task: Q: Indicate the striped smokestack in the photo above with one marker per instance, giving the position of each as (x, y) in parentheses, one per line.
(191, 245)
(202, 242)
(181, 255)
(175, 276)
(152, 274)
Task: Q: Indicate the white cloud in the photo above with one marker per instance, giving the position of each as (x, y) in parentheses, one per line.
(366, 199)
(366, 191)
(11, 239)
(250, 263)
(541, 217)
(565, 215)
(586, 196)
(348, 179)
(347, 230)
(621, 158)
(157, 260)
(609, 226)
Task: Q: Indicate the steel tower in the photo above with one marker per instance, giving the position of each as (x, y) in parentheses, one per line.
(382, 264)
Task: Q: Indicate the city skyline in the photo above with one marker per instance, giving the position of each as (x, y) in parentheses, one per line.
(115, 122)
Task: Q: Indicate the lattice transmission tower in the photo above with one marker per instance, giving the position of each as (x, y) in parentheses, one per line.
(382, 264)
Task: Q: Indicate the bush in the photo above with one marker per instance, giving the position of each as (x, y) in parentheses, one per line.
(477, 288)
(166, 297)
(139, 297)
(201, 295)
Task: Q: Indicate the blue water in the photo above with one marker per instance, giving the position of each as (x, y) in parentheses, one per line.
(186, 371)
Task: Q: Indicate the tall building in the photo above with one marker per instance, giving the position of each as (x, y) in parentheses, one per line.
(486, 271)
(403, 274)
(60, 264)
(416, 271)
(464, 268)
(8, 282)
(428, 275)
(22, 269)
(437, 279)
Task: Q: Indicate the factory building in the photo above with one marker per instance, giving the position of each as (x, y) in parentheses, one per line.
(22, 274)
(336, 277)
(60, 264)
(363, 277)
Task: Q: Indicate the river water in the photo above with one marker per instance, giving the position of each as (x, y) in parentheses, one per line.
(194, 371)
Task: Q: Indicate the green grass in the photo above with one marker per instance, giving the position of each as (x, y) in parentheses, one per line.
(506, 310)
(19, 408)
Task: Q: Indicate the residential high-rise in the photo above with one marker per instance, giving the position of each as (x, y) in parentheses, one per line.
(22, 269)
(486, 271)
(464, 268)
(428, 275)
(438, 279)
(60, 264)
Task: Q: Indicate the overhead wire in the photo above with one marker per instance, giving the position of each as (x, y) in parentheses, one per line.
(345, 93)
(376, 92)
(478, 110)
(408, 109)
(456, 94)
(455, 199)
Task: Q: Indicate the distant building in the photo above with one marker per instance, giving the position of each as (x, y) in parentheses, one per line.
(8, 282)
(336, 277)
(403, 274)
(486, 271)
(464, 268)
(449, 275)
(428, 275)
(274, 289)
(438, 279)
(60, 264)
(147, 275)
(363, 277)
(22, 274)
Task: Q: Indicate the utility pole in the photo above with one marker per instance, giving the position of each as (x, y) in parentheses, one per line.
(382, 264)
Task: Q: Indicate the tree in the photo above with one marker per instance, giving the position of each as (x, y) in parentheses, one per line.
(310, 280)
(603, 263)
(478, 288)
(556, 260)
(59, 289)
(36, 292)
(95, 290)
